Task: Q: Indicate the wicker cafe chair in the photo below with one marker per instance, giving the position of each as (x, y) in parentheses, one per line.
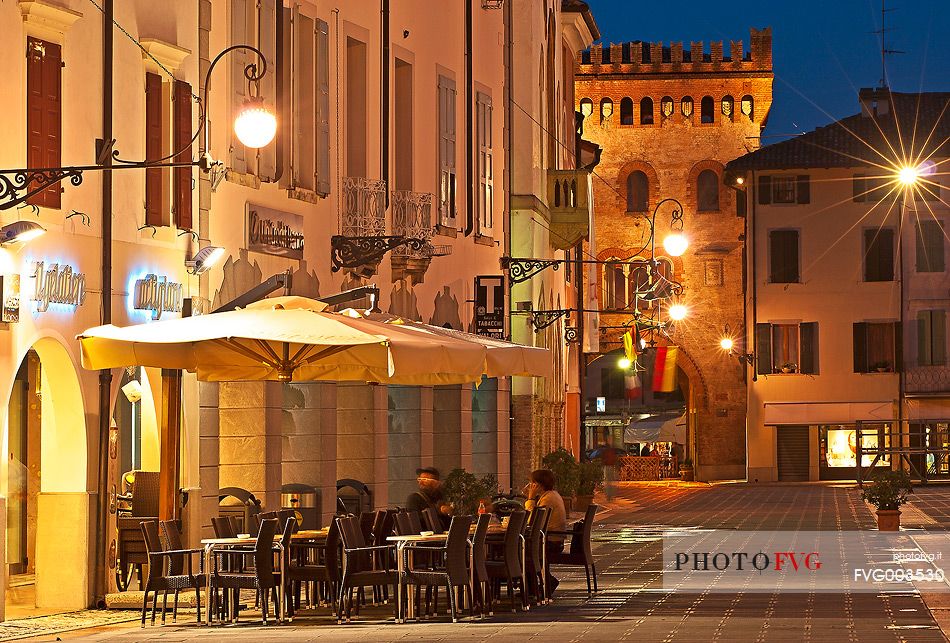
(305, 569)
(508, 568)
(261, 578)
(479, 571)
(453, 572)
(433, 519)
(404, 525)
(169, 570)
(534, 553)
(360, 565)
(579, 554)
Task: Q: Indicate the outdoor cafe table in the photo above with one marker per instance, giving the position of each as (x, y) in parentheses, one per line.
(212, 544)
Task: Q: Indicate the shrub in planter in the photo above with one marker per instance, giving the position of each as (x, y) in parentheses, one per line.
(464, 491)
(888, 490)
(564, 467)
(590, 475)
(686, 470)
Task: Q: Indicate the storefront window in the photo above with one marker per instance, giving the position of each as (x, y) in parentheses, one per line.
(839, 445)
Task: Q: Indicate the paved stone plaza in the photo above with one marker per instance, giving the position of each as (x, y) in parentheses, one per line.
(633, 605)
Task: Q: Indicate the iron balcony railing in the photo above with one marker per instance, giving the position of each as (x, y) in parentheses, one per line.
(364, 207)
(412, 218)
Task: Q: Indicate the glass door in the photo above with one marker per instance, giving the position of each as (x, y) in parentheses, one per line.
(17, 473)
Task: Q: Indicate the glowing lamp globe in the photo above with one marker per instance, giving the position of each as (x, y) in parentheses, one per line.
(624, 363)
(255, 125)
(675, 244)
(908, 175)
(677, 312)
(725, 344)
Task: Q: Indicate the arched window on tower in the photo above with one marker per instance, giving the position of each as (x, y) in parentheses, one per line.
(686, 106)
(728, 106)
(606, 109)
(706, 108)
(615, 286)
(707, 191)
(638, 192)
(626, 111)
(587, 107)
(666, 106)
(747, 106)
(646, 111)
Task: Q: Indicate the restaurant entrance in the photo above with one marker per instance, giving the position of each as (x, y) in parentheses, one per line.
(23, 470)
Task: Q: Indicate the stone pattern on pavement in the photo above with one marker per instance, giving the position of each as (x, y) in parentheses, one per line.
(632, 604)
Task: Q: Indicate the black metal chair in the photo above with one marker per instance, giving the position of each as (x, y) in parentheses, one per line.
(404, 524)
(451, 569)
(169, 570)
(508, 568)
(579, 553)
(262, 578)
(534, 553)
(306, 568)
(360, 565)
(433, 520)
(479, 570)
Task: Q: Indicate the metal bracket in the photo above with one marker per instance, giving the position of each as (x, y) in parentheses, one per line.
(541, 319)
(351, 252)
(520, 270)
(24, 184)
(571, 336)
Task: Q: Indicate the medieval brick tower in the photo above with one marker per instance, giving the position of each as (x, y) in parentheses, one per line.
(668, 120)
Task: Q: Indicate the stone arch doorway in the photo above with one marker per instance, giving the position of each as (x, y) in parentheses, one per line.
(46, 478)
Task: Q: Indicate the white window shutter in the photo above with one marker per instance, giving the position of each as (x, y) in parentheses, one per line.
(267, 37)
(323, 108)
(304, 112)
(447, 168)
(237, 157)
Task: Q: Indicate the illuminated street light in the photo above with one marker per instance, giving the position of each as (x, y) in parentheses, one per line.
(908, 175)
(255, 125)
(726, 343)
(677, 312)
(624, 363)
(675, 244)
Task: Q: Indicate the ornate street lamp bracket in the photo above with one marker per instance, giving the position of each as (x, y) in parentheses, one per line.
(520, 270)
(541, 319)
(351, 252)
(571, 336)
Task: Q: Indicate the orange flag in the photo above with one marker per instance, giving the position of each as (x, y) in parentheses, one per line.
(664, 369)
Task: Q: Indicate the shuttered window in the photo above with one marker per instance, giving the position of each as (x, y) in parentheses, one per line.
(879, 254)
(155, 203)
(267, 43)
(930, 246)
(876, 347)
(304, 105)
(784, 257)
(786, 348)
(483, 137)
(785, 189)
(323, 108)
(931, 337)
(447, 169)
(182, 145)
(44, 114)
(239, 58)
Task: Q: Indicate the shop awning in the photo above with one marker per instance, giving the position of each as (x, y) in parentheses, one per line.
(665, 427)
(827, 413)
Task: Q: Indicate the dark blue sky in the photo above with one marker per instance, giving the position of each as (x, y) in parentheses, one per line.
(823, 50)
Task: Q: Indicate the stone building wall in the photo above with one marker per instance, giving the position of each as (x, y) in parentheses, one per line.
(672, 151)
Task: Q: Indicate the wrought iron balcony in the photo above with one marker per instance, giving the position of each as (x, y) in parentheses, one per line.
(570, 203)
(364, 207)
(932, 378)
(412, 218)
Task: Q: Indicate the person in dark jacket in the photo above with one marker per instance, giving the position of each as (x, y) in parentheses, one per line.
(429, 493)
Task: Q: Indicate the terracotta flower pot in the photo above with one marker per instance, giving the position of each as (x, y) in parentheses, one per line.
(581, 502)
(888, 520)
(686, 474)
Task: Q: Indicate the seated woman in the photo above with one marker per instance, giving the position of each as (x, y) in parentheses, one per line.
(541, 493)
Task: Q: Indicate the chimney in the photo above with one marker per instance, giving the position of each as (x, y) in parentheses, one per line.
(875, 101)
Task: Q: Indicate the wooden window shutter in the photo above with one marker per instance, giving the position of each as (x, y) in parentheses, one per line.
(763, 349)
(808, 348)
(44, 114)
(153, 149)
(323, 108)
(267, 37)
(765, 190)
(938, 336)
(803, 193)
(860, 347)
(303, 168)
(239, 59)
(182, 145)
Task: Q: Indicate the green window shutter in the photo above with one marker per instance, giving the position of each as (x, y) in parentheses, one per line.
(803, 193)
(860, 347)
(809, 348)
(763, 349)
(765, 190)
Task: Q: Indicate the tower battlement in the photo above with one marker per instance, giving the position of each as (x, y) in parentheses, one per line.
(671, 58)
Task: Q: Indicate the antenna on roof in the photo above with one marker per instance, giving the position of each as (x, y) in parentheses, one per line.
(884, 50)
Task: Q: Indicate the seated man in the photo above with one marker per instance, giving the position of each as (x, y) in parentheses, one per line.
(429, 494)
(541, 493)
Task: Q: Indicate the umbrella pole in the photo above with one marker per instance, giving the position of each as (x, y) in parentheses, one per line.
(170, 440)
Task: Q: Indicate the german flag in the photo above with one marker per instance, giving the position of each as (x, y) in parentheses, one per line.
(664, 369)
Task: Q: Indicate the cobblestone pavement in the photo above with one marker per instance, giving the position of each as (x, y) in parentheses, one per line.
(632, 604)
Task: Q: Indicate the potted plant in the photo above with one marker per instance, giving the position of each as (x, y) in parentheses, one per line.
(881, 367)
(686, 470)
(888, 490)
(562, 464)
(789, 367)
(590, 475)
(464, 491)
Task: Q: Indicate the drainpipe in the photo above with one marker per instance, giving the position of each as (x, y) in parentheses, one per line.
(384, 92)
(105, 376)
(469, 119)
(751, 240)
(508, 171)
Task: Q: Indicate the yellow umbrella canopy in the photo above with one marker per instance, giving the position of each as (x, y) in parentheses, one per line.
(282, 338)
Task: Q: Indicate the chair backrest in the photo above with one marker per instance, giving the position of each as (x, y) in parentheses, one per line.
(533, 536)
(433, 518)
(416, 521)
(290, 526)
(284, 514)
(145, 494)
(223, 527)
(153, 544)
(580, 541)
(332, 550)
(238, 523)
(456, 550)
(264, 553)
(403, 524)
(479, 552)
(352, 536)
(516, 523)
(176, 564)
(367, 520)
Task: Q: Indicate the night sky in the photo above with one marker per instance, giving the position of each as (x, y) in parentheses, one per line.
(823, 50)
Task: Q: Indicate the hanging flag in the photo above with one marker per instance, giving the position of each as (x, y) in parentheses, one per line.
(632, 386)
(664, 369)
(628, 349)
